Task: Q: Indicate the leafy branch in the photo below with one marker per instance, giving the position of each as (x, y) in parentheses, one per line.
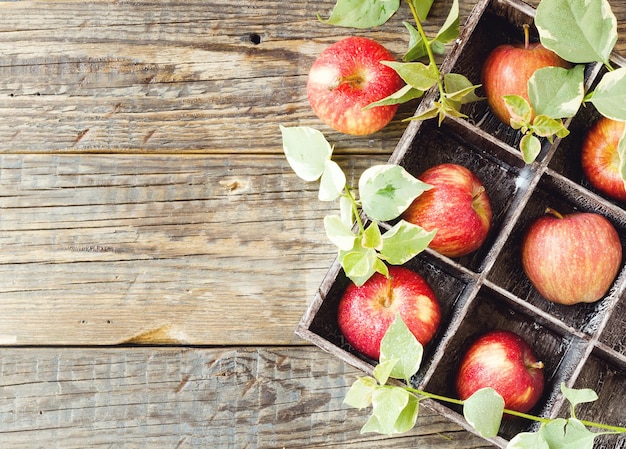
(395, 407)
(455, 90)
(384, 192)
(581, 33)
(577, 31)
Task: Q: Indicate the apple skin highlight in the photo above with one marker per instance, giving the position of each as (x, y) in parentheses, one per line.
(365, 313)
(347, 76)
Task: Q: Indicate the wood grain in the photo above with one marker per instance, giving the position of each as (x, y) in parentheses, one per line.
(192, 398)
(158, 249)
(185, 77)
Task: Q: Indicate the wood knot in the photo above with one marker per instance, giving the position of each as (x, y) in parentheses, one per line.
(234, 186)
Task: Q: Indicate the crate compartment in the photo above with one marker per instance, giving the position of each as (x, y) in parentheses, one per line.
(607, 379)
(501, 23)
(490, 311)
(449, 284)
(454, 142)
(613, 334)
(507, 271)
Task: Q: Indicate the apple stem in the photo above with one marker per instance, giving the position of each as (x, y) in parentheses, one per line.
(526, 36)
(554, 212)
(355, 81)
(388, 298)
(537, 365)
(478, 193)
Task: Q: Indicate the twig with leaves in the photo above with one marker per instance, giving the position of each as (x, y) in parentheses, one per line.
(395, 406)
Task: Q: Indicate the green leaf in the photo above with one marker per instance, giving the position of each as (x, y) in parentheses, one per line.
(567, 434)
(382, 371)
(404, 241)
(579, 31)
(408, 417)
(460, 89)
(372, 237)
(519, 108)
(307, 151)
(386, 190)
(346, 211)
(372, 425)
(406, 93)
(332, 182)
(387, 405)
(362, 13)
(528, 440)
(544, 126)
(401, 346)
(426, 115)
(361, 263)
(339, 232)
(609, 97)
(578, 396)
(448, 32)
(557, 92)
(417, 46)
(416, 74)
(483, 411)
(450, 29)
(422, 7)
(531, 147)
(360, 393)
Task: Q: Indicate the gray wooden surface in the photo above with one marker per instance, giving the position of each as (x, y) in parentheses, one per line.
(156, 250)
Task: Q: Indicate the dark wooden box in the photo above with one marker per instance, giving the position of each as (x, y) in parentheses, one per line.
(583, 345)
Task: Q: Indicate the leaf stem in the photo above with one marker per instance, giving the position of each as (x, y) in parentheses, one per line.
(355, 208)
(425, 394)
(429, 50)
(613, 429)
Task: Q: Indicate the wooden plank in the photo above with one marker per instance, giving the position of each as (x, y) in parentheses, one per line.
(146, 77)
(191, 398)
(101, 249)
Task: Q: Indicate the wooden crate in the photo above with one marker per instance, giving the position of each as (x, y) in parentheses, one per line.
(582, 345)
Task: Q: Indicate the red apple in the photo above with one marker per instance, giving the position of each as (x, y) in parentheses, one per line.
(457, 206)
(571, 258)
(365, 313)
(600, 159)
(503, 361)
(346, 77)
(508, 68)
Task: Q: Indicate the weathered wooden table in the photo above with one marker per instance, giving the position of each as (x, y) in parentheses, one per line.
(157, 251)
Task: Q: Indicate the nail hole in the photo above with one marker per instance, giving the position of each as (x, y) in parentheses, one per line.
(255, 38)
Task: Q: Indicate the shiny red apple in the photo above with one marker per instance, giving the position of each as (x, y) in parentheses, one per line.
(600, 158)
(347, 76)
(457, 206)
(508, 68)
(504, 361)
(571, 258)
(365, 313)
